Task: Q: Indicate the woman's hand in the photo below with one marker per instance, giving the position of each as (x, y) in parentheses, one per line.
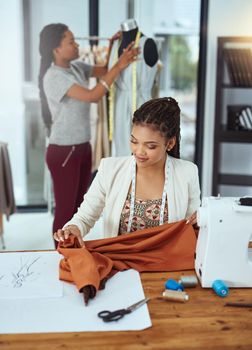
(116, 36)
(62, 235)
(129, 55)
(192, 219)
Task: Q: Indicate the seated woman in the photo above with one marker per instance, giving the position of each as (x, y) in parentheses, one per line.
(151, 187)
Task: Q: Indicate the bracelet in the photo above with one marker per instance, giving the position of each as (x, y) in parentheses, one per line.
(103, 82)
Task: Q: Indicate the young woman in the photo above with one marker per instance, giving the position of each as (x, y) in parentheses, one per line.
(150, 188)
(65, 101)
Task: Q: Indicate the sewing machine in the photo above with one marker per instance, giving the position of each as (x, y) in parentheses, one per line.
(222, 250)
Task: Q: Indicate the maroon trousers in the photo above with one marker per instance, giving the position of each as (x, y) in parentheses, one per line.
(70, 168)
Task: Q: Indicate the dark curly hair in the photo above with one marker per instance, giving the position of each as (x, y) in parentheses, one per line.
(163, 115)
(50, 38)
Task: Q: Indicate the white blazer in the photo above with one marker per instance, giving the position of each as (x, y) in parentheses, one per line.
(110, 187)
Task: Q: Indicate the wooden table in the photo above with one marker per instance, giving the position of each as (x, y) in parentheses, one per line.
(201, 323)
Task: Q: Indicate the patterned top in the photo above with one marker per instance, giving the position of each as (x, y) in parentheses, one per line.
(146, 214)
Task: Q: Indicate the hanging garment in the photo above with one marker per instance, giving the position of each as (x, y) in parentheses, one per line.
(7, 200)
(98, 111)
(102, 148)
(168, 247)
(122, 101)
(156, 84)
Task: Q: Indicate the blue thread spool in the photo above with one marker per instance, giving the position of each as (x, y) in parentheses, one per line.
(173, 285)
(220, 288)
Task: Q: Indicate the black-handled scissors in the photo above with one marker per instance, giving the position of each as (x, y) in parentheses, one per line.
(109, 316)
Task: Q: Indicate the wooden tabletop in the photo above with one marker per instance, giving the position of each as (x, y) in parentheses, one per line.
(201, 323)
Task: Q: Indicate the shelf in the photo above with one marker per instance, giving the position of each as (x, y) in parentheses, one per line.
(235, 136)
(228, 86)
(233, 85)
(235, 179)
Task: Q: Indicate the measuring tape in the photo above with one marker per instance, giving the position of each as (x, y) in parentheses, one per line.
(134, 76)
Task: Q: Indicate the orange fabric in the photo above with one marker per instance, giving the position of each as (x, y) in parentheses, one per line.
(169, 247)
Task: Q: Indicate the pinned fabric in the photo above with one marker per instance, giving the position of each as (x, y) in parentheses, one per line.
(169, 247)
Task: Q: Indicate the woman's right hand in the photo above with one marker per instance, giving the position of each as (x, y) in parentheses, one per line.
(63, 234)
(129, 55)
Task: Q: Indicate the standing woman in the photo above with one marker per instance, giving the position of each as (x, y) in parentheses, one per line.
(65, 100)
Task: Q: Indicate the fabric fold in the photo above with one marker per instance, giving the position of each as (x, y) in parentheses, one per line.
(169, 247)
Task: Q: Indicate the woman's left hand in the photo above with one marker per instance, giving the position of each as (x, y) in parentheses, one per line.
(192, 219)
(116, 36)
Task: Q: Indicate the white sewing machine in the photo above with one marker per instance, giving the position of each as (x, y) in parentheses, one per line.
(222, 250)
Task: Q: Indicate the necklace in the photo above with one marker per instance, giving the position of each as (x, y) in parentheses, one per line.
(133, 193)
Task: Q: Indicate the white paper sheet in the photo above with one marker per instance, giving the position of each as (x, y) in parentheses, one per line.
(29, 275)
(69, 314)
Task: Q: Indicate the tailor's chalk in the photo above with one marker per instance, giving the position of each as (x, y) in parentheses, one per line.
(173, 285)
(174, 295)
(220, 288)
(190, 281)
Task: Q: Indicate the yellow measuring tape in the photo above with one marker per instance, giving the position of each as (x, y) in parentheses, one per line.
(134, 77)
(112, 88)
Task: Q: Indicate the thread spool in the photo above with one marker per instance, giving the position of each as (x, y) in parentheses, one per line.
(190, 281)
(175, 295)
(220, 288)
(173, 285)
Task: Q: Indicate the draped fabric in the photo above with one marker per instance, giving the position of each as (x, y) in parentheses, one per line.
(169, 247)
(98, 111)
(7, 200)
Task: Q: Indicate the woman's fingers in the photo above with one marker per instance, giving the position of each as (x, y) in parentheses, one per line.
(130, 46)
(129, 56)
(74, 230)
(192, 219)
(62, 235)
(116, 36)
(80, 240)
(131, 50)
(59, 235)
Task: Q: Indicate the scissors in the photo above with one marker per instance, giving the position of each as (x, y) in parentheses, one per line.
(109, 316)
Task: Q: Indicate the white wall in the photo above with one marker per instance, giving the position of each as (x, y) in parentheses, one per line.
(111, 14)
(226, 18)
(11, 101)
(144, 15)
(73, 13)
(12, 90)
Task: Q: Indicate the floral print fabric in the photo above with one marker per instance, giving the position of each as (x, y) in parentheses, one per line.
(146, 214)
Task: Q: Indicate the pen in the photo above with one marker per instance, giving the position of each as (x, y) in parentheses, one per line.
(239, 304)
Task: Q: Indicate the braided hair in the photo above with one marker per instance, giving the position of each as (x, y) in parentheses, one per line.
(163, 115)
(50, 38)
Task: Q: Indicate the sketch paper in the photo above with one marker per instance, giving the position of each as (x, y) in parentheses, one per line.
(69, 314)
(29, 275)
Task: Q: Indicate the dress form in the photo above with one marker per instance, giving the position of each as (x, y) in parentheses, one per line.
(125, 95)
(129, 31)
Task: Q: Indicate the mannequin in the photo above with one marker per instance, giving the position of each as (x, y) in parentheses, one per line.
(132, 87)
(129, 31)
